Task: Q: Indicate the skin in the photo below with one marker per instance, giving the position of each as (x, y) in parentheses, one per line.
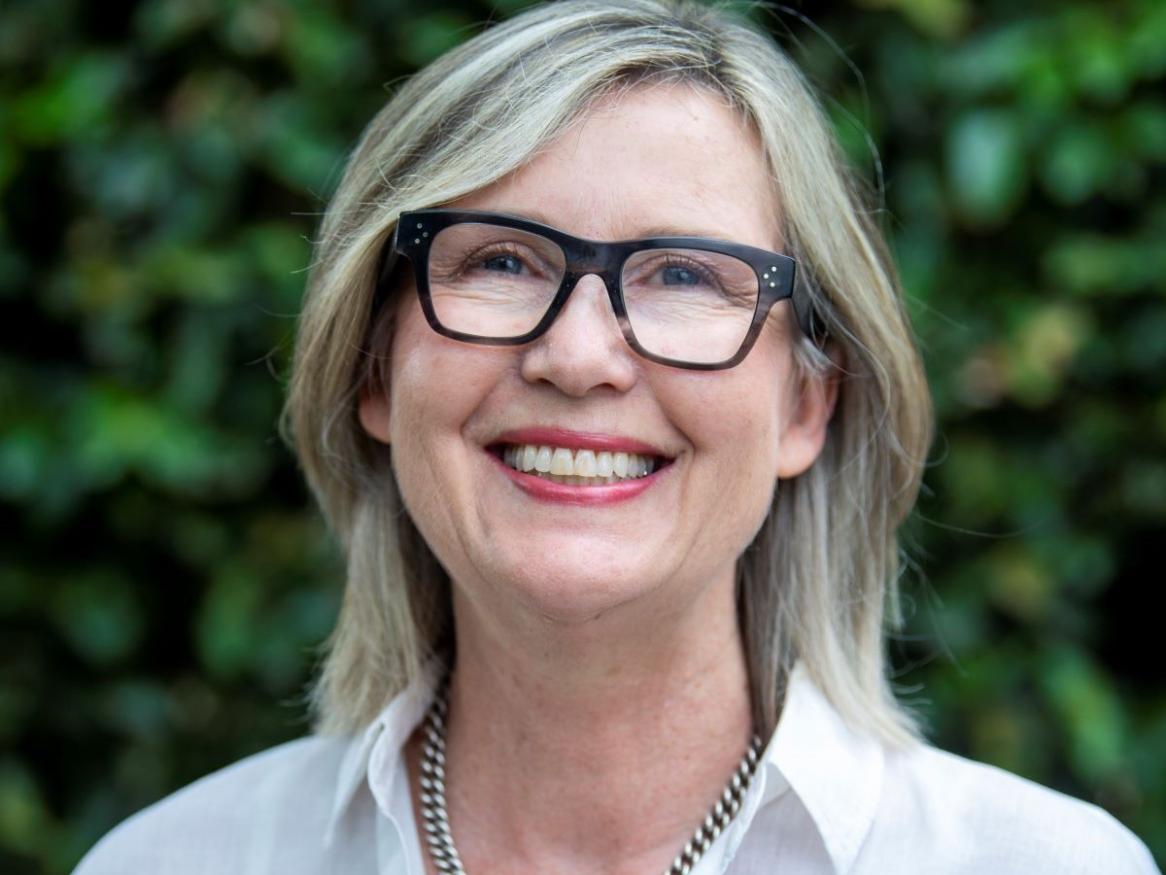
(600, 700)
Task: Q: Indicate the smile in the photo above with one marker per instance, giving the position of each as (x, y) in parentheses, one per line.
(582, 467)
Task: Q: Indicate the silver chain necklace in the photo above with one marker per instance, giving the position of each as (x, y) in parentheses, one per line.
(440, 840)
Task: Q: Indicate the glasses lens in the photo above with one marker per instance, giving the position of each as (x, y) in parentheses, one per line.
(688, 304)
(492, 281)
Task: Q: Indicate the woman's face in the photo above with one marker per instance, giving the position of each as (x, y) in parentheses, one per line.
(660, 160)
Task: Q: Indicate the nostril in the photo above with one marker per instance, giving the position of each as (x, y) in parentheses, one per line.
(585, 349)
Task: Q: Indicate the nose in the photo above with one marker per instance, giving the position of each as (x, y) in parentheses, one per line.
(584, 348)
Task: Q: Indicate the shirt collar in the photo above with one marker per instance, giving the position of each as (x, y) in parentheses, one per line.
(835, 772)
(384, 737)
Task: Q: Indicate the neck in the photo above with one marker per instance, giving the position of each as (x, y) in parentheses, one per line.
(595, 746)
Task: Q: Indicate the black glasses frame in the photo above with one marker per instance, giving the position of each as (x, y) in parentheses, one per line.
(416, 230)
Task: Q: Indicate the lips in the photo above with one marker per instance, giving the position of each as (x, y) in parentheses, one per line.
(577, 467)
(563, 464)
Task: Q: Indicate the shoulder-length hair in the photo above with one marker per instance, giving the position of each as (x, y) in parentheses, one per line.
(819, 583)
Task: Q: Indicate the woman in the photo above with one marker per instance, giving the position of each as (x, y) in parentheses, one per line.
(606, 387)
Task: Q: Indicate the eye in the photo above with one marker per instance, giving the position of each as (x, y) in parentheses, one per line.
(675, 275)
(676, 271)
(503, 263)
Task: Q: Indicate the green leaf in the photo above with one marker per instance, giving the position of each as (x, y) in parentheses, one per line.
(986, 166)
(1087, 702)
(99, 615)
(78, 95)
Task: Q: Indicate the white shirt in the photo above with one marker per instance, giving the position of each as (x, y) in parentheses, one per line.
(824, 800)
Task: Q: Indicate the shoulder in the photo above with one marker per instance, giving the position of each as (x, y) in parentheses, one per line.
(220, 823)
(976, 817)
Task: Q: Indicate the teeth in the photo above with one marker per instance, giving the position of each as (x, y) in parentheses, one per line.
(578, 467)
(584, 463)
(542, 460)
(561, 462)
(619, 463)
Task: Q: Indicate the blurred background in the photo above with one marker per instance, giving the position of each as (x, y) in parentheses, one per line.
(164, 580)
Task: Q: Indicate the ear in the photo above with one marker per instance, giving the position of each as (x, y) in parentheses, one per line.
(373, 411)
(804, 432)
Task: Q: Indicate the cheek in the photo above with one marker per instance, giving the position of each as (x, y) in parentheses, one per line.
(438, 388)
(731, 417)
(422, 362)
(733, 426)
(424, 404)
(435, 389)
(763, 398)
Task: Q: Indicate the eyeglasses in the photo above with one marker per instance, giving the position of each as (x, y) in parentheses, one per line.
(488, 278)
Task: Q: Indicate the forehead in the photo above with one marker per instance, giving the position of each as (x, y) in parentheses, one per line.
(652, 159)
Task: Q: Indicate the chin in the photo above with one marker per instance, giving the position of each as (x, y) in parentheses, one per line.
(572, 593)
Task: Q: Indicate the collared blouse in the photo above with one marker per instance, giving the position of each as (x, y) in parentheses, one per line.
(824, 800)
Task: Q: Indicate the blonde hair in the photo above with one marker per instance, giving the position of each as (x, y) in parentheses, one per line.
(820, 581)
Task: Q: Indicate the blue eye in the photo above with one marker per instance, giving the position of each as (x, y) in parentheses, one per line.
(680, 276)
(503, 263)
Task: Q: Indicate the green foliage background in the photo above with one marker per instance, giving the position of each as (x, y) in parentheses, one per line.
(163, 579)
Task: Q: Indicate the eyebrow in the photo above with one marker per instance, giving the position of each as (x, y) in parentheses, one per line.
(653, 231)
